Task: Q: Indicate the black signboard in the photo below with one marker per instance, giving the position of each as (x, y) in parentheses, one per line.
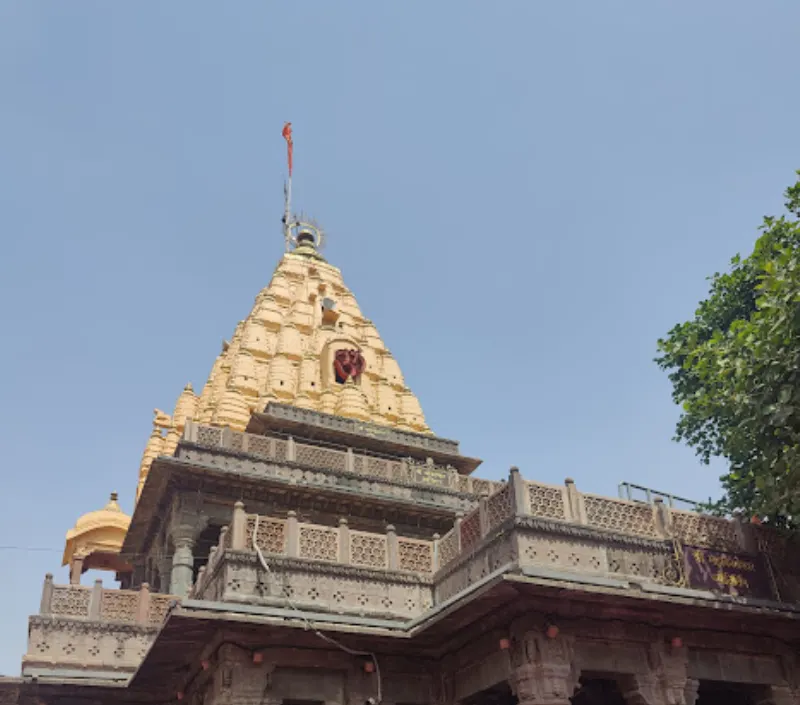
(728, 573)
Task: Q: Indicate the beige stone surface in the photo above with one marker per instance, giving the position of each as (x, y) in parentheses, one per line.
(283, 351)
(98, 534)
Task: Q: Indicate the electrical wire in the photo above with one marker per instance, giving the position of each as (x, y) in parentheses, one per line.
(314, 629)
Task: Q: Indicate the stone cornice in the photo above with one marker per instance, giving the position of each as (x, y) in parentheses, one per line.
(360, 428)
(86, 626)
(355, 476)
(324, 568)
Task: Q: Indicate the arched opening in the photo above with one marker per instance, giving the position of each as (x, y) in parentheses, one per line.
(208, 537)
(718, 693)
(597, 689)
(499, 694)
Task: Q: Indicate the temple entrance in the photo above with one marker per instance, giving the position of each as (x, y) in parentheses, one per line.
(499, 694)
(592, 690)
(597, 690)
(717, 693)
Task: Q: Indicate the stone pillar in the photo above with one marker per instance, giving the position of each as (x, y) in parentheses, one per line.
(344, 541)
(573, 507)
(180, 581)
(520, 492)
(392, 548)
(457, 531)
(542, 669)
(663, 518)
(238, 680)
(76, 569)
(96, 600)
(292, 535)
(483, 516)
(239, 527)
(164, 567)
(143, 606)
(47, 595)
(291, 449)
(666, 683)
(186, 524)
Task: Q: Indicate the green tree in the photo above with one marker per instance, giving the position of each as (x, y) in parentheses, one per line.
(735, 371)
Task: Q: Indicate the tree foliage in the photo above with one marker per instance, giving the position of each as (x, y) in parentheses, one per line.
(735, 371)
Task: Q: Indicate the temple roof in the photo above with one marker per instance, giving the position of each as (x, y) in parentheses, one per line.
(100, 531)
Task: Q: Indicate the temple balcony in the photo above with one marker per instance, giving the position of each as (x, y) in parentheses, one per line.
(319, 568)
(92, 632)
(526, 538)
(526, 531)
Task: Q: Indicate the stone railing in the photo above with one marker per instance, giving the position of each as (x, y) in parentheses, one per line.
(319, 567)
(101, 630)
(103, 604)
(281, 450)
(553, 532)
(341, 544)
(561, 529)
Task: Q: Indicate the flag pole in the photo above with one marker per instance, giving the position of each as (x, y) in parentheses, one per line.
(287, 209)
(287, 187)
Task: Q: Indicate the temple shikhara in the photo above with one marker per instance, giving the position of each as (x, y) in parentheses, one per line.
(301, 536)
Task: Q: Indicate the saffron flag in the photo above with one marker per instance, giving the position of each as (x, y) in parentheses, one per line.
(287, 135)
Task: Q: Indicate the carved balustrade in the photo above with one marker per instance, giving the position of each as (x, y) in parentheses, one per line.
(560, 530)
(95, 628)
(104, 604)
(548, 530)
(318, 567)
(340, 461)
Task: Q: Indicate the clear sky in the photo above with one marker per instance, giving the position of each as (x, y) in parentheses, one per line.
(522, 195)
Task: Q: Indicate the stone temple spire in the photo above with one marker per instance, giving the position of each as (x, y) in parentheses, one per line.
(286, 350)
(306, 343)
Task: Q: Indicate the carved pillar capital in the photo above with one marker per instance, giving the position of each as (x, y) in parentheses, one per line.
(187, 528)
(642, 689)
(666, 683)
(543, 671)
(779, 695)
(239, 681)
(690, 691)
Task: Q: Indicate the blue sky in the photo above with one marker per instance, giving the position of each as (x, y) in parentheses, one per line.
(522, 195)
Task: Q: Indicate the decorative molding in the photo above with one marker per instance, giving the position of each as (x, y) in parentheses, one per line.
(84, 626)
(232, 558)
(361, 428)
(245, 457)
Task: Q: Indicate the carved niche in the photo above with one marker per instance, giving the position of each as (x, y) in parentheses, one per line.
(348, 364)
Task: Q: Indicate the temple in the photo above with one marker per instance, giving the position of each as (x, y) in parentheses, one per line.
(302, 537)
